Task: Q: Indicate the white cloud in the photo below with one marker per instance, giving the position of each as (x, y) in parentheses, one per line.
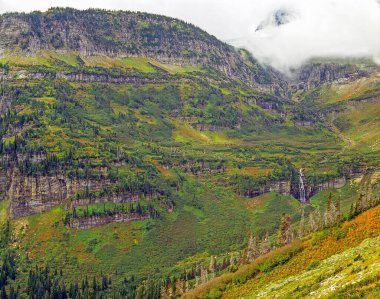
(323, 28)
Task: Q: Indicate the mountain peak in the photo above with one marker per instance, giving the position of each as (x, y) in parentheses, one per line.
(277, 18)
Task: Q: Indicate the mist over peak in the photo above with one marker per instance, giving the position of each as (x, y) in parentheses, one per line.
(306, 29)
(277, 18)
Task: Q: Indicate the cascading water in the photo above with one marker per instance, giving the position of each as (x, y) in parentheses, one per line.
(302, 187)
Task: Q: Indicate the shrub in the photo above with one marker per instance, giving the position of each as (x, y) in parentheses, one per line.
(276, 261)
(313, 264)
(215, 294)
(91, 245)
(338, 233)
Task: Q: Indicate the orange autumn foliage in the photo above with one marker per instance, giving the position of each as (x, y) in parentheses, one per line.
(317, 246)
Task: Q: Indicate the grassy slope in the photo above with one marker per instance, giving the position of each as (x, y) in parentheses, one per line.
(141, 64)
(326, 263)
(357, 265)
(208, 217)
(206, 221)
(359, 121)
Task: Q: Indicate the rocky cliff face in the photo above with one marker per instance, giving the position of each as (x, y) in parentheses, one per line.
(83, 77)
(30, 195)
(313, 188)
(93, 221)
(111, 33)
(287, 187)
(281, 187)
(3, 183)
(314, 75)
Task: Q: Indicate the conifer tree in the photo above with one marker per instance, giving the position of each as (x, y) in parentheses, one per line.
(285, 232)
(312, 222)
(3, 294)
(319, 218)
(212, 266)
(197, 276)
(12, 293)
(252, 249)
(179, 286)
(326, 218)
(264, 246)
(330, 214)
(338, 213)
(232, 262)
(104, 282)
(187, 285)
(358, 206)
(204, 275)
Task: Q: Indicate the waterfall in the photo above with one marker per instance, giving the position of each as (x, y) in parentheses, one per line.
(302, 187)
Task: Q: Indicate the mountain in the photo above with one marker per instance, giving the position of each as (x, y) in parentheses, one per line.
(277, 18)
(141, 156)
(95, 32)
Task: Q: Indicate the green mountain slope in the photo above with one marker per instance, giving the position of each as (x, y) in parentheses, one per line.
(130, 160)
(117, 33)
(337, 262)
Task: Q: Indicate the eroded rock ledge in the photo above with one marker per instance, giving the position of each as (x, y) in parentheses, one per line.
(94, 221)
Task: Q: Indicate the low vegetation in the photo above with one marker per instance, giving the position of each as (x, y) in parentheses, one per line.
(141, 177)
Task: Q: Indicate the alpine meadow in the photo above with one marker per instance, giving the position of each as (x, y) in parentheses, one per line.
(142, 157)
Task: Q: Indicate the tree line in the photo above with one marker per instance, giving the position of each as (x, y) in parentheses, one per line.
(107, 210)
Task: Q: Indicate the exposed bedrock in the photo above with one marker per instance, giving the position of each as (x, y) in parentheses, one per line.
(94, 221)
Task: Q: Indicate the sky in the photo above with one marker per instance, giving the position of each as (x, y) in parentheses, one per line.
(323, 28)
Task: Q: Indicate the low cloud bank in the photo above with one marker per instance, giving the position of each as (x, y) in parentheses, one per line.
(324, 28)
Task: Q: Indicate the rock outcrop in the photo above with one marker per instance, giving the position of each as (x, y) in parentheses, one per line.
(111, 197)
(91, 78)
(282, 187)
(313, 75)
(3, 183)
(31, 195)
(287, 187)
(94, 221)
(313, 188)
(130, 34)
